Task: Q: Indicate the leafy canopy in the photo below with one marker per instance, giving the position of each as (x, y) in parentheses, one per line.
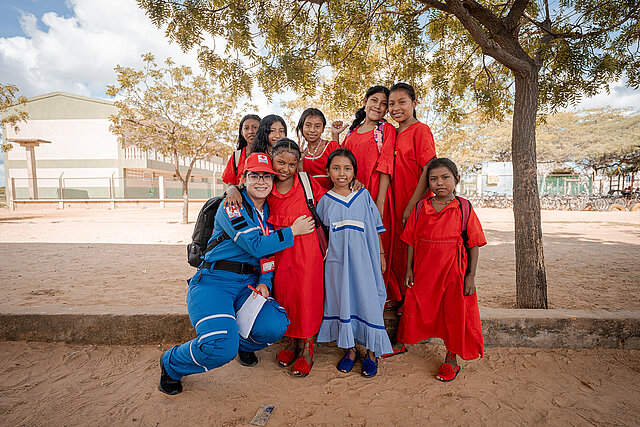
(168, 109)
(342, 47)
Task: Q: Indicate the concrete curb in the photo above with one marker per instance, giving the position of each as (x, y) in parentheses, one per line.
(144, 325)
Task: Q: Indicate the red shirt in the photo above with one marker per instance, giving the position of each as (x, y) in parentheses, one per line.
(228, 176)
(372, 163)
(316, 164)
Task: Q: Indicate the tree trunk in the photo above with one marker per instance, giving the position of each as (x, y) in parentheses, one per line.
(531, 280)
(185, 201)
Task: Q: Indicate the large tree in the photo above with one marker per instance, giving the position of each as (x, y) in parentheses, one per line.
(495, 56)
(168, 109)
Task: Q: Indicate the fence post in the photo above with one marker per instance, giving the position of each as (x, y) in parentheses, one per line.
(60, 191)
(161, 190)
(12, 194)
(112, 202)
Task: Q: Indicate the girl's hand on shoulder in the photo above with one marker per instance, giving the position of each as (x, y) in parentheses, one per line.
(356, 186)
(233, 197)
(408, 279)
(469, 285)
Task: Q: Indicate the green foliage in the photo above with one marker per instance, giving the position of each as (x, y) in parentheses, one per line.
(10, 112)
(597, 138)
(168, 109)
(342, 47)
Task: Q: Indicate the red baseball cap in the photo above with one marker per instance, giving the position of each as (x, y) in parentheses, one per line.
(259, 162)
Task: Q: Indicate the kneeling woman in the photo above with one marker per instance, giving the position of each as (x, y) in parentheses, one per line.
(224, 281)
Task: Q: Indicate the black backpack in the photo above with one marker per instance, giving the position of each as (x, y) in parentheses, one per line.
(203, 230)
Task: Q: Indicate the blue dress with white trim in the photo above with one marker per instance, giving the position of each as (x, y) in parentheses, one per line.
(355, 294)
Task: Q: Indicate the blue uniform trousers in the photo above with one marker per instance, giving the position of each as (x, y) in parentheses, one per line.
(212, 302)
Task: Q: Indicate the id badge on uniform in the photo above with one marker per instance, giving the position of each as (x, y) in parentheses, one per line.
(267, 265)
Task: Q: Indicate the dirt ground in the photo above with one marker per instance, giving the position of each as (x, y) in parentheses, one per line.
(62, 384)
(137, 257)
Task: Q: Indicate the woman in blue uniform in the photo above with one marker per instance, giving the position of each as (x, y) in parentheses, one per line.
(243, 259)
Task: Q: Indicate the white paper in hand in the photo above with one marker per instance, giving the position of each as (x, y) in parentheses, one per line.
(246, 316)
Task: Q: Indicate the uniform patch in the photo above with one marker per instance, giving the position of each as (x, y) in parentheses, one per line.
(263, 159)
(233, 212)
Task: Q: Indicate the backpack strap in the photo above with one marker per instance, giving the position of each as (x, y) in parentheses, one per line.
(236, 160)
(224, 236)
(308, 195)
(418, 208)
(465, 208)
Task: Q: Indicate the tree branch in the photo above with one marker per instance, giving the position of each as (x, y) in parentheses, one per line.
(512, 20)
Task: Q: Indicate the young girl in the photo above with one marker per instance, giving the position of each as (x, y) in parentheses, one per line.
(297, 284)
(440, 272)
(354, 287)
(271, 129)
(414, 150)
(310, 128)
(372, 141)
(232, 174)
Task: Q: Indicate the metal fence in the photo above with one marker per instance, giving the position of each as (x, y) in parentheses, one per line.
(109, 188)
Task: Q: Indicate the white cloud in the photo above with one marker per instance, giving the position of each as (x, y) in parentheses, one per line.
(78, 54)
(619, 96)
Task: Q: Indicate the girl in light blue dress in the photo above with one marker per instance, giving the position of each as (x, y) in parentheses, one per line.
(354, 288)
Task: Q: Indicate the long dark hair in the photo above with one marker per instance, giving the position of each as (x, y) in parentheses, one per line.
(261, 143)
(343, 152)
(410, 91)
(286, 145)
(447, 163)
(360, 114)
(241, 141)
(309, 112)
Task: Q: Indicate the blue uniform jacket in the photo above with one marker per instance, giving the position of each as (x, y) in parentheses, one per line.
(247, 242)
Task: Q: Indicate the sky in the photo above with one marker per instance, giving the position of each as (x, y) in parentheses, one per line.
(74, 45)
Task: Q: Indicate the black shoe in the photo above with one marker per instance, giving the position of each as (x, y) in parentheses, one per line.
(247, 358)
(167, 384)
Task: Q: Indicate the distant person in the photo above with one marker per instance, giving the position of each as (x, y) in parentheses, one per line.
(316, 150)
(272, 128)
(440, 300)
(232, 174)
(354, 294)
(240, 261)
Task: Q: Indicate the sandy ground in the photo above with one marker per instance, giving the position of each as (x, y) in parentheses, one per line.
(84, 257)
(61, 384)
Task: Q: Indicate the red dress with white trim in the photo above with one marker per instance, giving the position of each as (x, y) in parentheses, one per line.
(315, 164)
(298, 280)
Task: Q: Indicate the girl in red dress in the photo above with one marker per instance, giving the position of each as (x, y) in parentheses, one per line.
(373, 142)
(298, 280)
(232, 174)
(316, 150)
(440, 273)
(414, 150)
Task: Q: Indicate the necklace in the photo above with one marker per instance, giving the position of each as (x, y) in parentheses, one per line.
(314, 151)
(443, 203)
